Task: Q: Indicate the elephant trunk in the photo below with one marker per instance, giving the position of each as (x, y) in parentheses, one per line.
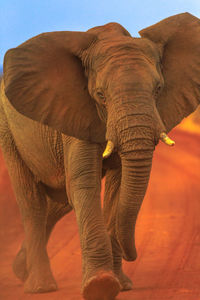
(135, 176)
(136, 135)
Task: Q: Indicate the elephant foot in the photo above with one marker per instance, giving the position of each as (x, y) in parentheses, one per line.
(40, 284)
(103, 286)
(19, 265)
(125, 282)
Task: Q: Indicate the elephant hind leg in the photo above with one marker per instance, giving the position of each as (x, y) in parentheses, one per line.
(8, 149)
(56, 210)
(19, 264)
(58, 207)
(31, 198)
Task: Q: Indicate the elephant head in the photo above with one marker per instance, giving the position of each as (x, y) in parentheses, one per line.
(106, 85)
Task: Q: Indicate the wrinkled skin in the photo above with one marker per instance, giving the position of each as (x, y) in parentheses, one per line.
(63, 95)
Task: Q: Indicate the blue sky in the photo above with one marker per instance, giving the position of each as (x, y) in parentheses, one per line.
(22, 19)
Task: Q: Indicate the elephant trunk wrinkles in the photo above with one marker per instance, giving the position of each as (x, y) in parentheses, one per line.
(135, 176)
(137, 135)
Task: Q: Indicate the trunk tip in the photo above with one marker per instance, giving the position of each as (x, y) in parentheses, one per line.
(129, 252)
(129, 256)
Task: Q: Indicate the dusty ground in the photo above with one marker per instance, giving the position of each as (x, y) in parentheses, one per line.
(168, 234)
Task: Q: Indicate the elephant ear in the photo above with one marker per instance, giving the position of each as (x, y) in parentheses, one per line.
(178, 37)
(45, 81)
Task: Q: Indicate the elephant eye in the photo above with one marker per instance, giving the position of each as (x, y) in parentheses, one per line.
(101, 96)
(158, 89)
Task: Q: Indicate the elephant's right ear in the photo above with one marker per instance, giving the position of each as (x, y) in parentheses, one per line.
(45, 81)
(178, 39)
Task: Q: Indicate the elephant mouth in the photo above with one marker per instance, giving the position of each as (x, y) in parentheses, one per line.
(163, 137)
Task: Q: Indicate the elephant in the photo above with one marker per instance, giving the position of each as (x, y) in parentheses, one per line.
(79, 106)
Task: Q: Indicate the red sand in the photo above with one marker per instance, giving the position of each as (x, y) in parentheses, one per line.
(168, 234)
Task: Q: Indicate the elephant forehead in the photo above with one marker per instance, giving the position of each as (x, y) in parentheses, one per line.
(123, 49)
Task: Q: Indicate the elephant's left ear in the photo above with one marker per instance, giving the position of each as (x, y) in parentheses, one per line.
(178, 38)
(45, 81)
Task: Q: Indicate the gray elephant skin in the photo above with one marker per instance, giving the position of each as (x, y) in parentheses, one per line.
(64, 97)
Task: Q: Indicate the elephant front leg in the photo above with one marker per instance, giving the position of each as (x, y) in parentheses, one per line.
(111, 197)
(32, 263)
(83, 170)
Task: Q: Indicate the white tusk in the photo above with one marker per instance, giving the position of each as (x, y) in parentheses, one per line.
(165, 139)
(109, 148)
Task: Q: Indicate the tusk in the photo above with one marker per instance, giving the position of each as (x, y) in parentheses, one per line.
(165, 139)
(109, 148)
